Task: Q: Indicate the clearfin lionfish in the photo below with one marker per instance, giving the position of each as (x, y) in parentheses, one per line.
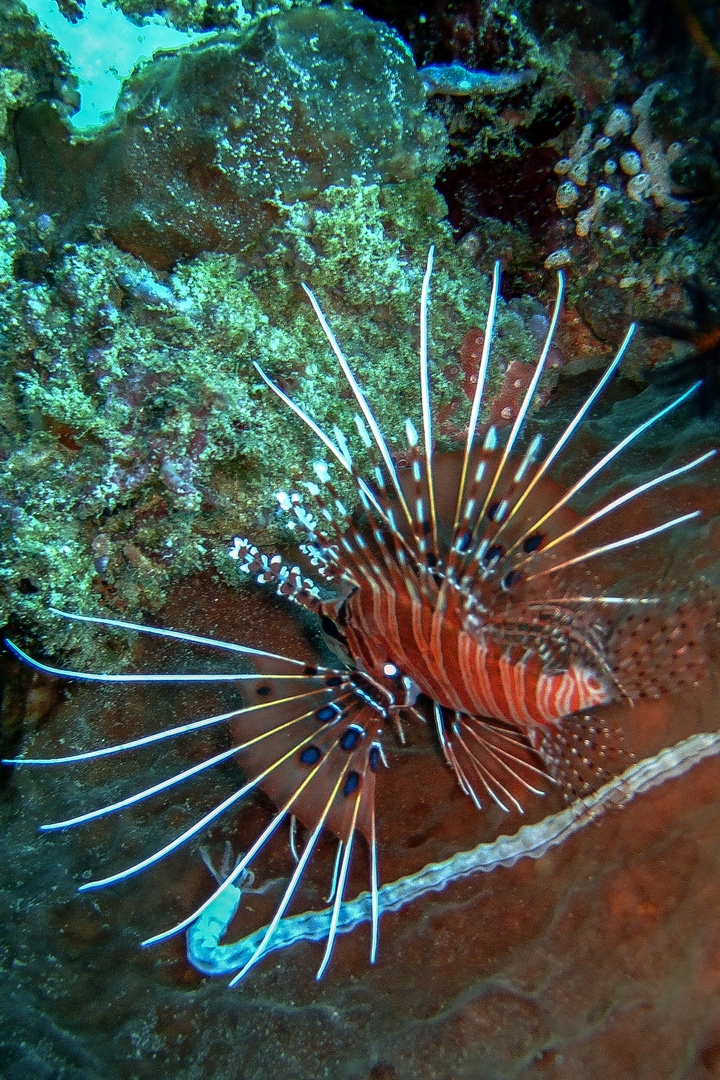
(465, 593)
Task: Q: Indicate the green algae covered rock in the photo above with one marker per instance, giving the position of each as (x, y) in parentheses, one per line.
(138, 437)
(305, 100)
(208, 140)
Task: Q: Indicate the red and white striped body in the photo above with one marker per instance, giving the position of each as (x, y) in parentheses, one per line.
(470, 670)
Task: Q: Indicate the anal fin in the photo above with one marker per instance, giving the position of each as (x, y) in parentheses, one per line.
(583, 751)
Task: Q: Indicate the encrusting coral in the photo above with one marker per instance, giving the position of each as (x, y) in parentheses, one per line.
(207, 142)
(139, 438)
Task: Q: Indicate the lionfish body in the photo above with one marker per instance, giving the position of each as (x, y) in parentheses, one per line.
(468, 645)
(463, 593)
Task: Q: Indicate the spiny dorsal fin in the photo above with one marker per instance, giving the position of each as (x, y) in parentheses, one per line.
(290, 582)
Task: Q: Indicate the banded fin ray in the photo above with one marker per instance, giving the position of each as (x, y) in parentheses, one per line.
(487, 758)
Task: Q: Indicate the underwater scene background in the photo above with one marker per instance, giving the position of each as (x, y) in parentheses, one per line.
(152, 250)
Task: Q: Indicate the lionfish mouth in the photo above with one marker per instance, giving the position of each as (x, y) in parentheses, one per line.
(467, 594)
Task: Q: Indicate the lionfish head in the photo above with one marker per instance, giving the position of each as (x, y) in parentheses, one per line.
(464, 592)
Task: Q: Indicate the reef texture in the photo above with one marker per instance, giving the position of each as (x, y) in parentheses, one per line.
(142, 271)
(211, 143)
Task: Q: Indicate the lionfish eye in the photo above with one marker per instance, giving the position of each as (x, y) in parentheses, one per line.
(330, 627)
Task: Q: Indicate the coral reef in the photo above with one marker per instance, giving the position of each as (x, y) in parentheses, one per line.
(211, 142)
(615, 176)
(137, 438)
(499, 113)
(142, 271)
